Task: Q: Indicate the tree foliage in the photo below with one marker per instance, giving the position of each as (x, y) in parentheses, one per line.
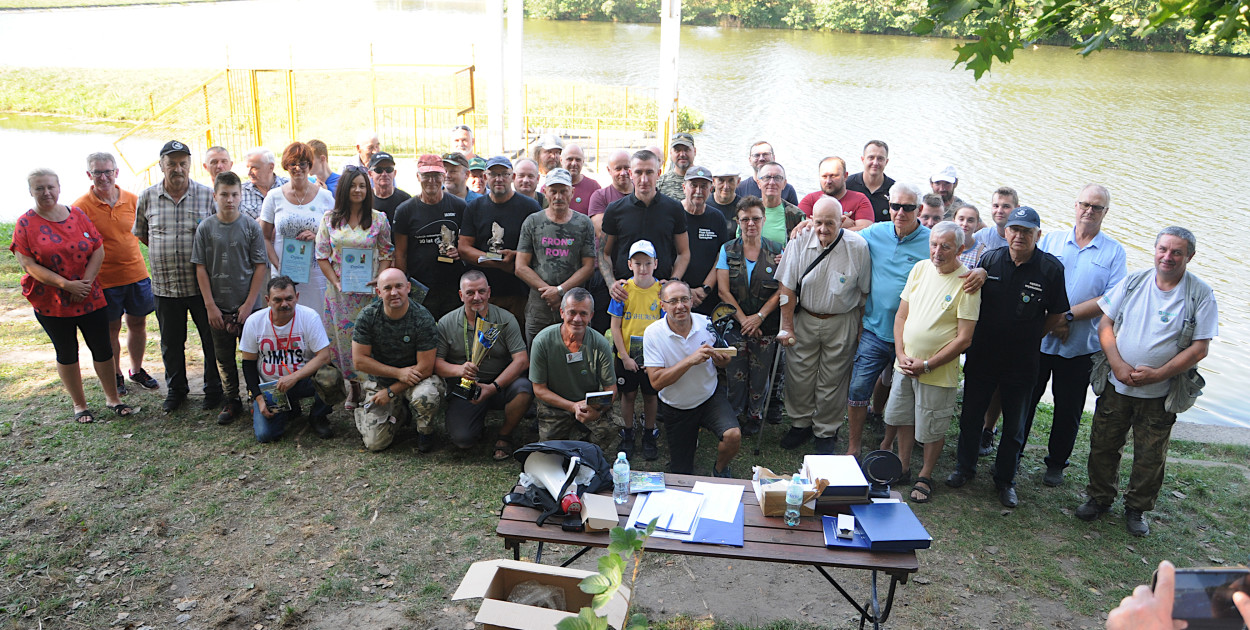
(1002, 27)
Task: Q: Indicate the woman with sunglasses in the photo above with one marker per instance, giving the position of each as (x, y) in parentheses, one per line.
(744, 278)
(295, 215)
(352, 224)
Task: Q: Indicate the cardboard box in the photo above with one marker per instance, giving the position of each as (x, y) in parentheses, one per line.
(846, 482)
(493, 580)
(770, 491)
(599, 512)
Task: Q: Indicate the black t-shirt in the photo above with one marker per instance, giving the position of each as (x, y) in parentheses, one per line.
(749, 187)
(389, 205)
(1015, 302)
(708, 231)
(480, 219)
(423, 224)
(730, 210)
(630, 221)
(880, 200)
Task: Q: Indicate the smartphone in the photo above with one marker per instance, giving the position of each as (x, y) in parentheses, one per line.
(1204, 596)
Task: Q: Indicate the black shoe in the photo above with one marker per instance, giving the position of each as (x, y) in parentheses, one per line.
(903, 479)
(321, 425)
(1135, 522)
(987, 442)
(774, 413)
(1090, 510)
(121, 385)
(957, 479)
(1053, 476)
(796, 437)
(228, 413)
(173, 401)
(425, 442)
(1007, 496)
(723, 474)
(750, 427)
(212, 401)
(825, 445)
(650, 451)
(144, 379)
(627, 443)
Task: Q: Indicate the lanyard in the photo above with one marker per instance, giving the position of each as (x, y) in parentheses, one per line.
(283, 346)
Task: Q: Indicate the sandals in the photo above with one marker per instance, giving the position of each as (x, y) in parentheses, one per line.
(123, 410)
(86, 416)
(503, 448)
(924, 491)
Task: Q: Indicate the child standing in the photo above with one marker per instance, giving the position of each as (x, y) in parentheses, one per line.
(629, 319)
(230, 267)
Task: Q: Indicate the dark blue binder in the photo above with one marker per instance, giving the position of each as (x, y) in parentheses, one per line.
(891, 527)
(712, 532)
(857, 541)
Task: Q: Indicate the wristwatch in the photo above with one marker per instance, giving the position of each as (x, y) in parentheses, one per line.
(1068, 317)
(706, 289)
(926, 366)
(390, 393)
(560, 289)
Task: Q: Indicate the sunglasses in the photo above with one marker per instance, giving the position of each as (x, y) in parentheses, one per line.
(383, 169)
(904, 207)
(355, 168)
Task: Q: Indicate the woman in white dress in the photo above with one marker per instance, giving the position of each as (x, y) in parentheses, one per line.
(295, 215)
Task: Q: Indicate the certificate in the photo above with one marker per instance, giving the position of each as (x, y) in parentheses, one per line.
(357, 270)
(297, 259)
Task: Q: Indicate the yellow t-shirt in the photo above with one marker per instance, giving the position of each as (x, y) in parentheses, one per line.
(934, 304)
(640, 309)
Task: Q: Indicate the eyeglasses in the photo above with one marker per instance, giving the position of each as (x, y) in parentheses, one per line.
(355, 168)
(111, 171)
(751, 220)
(760, 156)
(383, 169)
(303, 166)
(498, 174)
(1090, 206)
(773, 178)
(679, 300)
(904, 207)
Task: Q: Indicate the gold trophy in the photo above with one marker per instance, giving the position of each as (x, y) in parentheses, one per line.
(494, 246)
(446, 245)
(477, 347)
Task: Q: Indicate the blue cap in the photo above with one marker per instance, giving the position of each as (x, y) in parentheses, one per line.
(499, 160)
(1025, 216)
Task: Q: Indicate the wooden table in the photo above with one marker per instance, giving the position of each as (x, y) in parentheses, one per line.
(766, 539)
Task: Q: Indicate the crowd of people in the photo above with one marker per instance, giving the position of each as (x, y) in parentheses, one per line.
(527, 288)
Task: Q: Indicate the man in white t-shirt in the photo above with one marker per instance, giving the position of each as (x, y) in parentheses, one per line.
(1147, 317)
(286, 343)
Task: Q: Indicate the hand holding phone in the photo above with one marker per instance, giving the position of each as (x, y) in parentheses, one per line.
(1203, 597)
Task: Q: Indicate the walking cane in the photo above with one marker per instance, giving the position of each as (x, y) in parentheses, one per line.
(768, 396)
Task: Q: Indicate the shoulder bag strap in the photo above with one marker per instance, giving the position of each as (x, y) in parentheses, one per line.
(798, 286)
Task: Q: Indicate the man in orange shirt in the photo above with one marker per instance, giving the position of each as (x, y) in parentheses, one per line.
(124, 275)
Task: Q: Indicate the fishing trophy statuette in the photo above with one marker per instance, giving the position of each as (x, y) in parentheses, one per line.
(478, 343)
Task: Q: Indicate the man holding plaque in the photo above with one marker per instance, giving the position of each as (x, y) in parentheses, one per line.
(394, 341)
(425, 232)
(481, 354)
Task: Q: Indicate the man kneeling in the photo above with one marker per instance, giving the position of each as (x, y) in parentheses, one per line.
(392, 332)
(499, 377)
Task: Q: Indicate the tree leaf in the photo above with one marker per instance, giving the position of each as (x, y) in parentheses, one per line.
(637, 621)
(586, 619)
(595, 584)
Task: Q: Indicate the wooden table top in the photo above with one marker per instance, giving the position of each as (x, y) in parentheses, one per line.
(765, 538)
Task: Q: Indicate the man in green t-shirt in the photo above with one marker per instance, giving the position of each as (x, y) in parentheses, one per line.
(500, 375)
(568, 361)
(394, 342)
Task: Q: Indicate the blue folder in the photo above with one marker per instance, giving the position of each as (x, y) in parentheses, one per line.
(713, 532)
(891, 527)
(857, 541)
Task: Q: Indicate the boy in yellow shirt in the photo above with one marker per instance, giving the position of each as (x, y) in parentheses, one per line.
(629, 318)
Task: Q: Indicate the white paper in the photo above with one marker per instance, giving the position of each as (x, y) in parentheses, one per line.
(720, 500)
(636, 513)
(675, 510)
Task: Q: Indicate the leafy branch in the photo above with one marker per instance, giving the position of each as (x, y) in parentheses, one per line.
(627, 544)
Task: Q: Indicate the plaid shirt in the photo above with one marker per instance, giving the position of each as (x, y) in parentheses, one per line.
(168, 227)
(252, 197)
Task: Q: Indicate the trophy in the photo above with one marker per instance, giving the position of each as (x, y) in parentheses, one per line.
(494, 246)
(484, 336)
(721, 322)
(446, 245)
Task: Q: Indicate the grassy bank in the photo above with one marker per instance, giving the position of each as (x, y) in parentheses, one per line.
(149, 518)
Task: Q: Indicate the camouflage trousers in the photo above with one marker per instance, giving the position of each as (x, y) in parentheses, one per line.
(377, 423)
(1114, 415)
(558, 424)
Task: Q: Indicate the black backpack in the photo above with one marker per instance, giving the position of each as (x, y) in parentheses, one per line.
(538, 497)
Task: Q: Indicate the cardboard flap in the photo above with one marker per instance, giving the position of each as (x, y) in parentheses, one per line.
(495, 612)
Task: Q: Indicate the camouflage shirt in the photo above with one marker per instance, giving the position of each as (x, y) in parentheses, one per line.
(671, 184)
(395, 342)
(558, 248)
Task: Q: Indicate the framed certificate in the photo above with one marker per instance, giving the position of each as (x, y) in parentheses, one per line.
(357, 270)
(297, 259)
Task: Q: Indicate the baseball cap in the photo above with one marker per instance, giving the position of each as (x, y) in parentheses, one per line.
(173, 146)
(456, 158)
(380, 157)
(427, 163)
(499, 160)
(681, 138)
(642, 247)
(726, 170)
(549, 141)
(1026, 217)
(945, 175)
(698, 172)
(477, 164)
(559, 176)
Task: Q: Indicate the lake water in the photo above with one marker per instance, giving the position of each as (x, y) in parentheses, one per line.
(1169, 134)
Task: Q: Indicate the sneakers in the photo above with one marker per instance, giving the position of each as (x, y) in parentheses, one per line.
(1091, 509)
(987, 442)
(1135, 522)
(321, 425)
(1053, 476)
(121, 385)
(627, 443)
(796, 437)
(212, 401)
(650, 451)
(228, 413)
(144, 379)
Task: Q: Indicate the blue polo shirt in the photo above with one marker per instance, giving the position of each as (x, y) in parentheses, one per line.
(1088, 273)
(892, 260)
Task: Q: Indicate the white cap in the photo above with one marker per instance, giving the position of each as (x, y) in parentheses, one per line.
(945, 175)
(726, 170)
(644, 247)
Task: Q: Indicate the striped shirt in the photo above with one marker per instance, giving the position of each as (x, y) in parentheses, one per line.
(168, 227)
(252, 198)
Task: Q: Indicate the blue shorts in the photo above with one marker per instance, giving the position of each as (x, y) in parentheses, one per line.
(873, 356)
(132, 299)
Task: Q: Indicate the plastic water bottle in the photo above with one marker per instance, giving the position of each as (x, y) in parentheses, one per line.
(794, 499)
(620, 479)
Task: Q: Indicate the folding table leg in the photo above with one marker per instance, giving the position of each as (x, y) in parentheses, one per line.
(876, 615)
